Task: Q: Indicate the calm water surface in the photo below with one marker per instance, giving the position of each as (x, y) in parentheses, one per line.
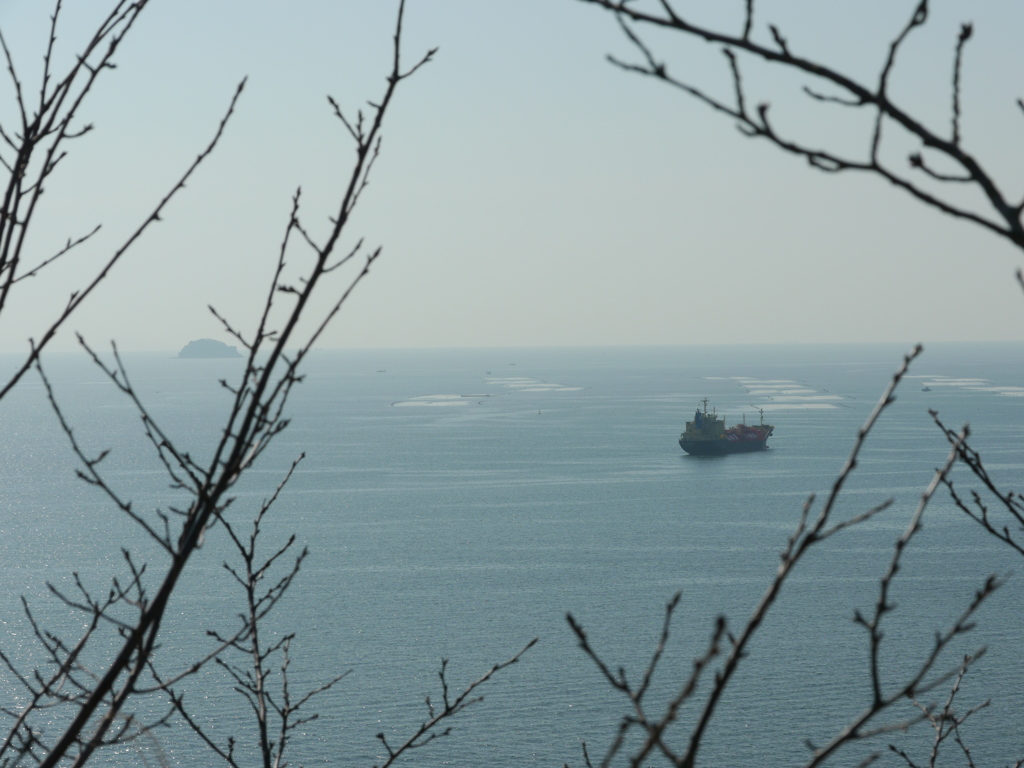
(458, 503)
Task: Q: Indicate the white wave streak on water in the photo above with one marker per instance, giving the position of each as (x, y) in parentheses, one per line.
(803, 398)
(785, 394)
(970, 384)
(526, 384)
(780, 392)
(797, 406)
(437, 400)
(765, 382)
(515, 383)
(511, 381)
(1004, 391)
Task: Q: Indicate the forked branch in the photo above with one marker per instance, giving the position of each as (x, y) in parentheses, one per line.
(449, 706)
(1003, 217)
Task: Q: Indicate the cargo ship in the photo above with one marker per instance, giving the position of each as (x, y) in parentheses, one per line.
(707, 435)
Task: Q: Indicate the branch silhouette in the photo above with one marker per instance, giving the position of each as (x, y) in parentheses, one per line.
(95, 708)
(1003, 216)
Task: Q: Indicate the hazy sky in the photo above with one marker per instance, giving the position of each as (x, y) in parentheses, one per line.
(528, 192)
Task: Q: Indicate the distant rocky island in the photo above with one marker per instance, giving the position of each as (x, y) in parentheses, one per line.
(208, 348)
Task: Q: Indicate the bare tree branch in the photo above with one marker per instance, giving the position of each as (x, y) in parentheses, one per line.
(97, 702)
(428, 730)
(807, 534)
(1004, 218)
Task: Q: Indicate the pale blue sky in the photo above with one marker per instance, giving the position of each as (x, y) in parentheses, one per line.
(528, 192)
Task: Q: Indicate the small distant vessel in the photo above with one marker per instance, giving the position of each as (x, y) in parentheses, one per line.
(926, 388)
(707, 435)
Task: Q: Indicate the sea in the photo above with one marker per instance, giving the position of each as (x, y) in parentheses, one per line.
(458, 503)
